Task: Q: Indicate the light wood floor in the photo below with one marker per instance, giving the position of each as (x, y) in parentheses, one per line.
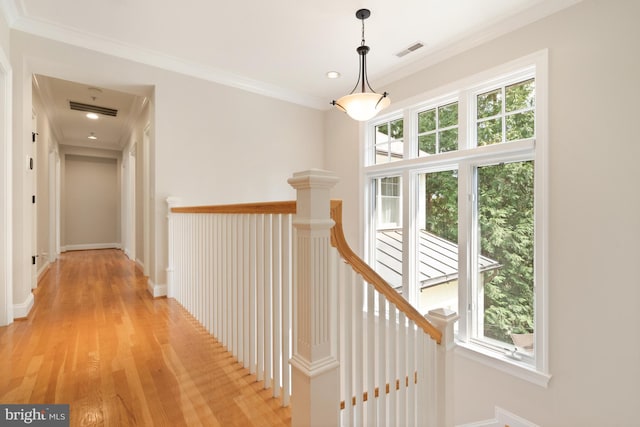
(96, 340)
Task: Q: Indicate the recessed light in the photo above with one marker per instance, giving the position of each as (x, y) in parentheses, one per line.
(333, 74)
(92, 136)
(92, 116)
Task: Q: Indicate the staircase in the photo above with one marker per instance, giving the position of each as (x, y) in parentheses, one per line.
(277, 284)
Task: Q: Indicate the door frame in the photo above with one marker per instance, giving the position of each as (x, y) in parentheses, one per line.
(6, 193)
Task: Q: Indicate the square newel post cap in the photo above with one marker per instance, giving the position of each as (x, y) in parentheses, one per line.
(172, 201)
(443, 315)
(444, 319)
(313, 178)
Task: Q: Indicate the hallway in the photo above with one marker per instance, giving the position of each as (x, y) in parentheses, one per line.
(96, 340)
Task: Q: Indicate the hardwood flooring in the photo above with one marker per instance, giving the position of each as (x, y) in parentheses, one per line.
(98, 341)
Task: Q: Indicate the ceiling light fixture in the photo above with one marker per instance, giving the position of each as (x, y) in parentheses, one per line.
(92, 136)
(362, 105)
(333, 74)
(92, 116)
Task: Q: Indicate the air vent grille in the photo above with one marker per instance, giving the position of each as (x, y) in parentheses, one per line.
(92, 109)
(412, 48)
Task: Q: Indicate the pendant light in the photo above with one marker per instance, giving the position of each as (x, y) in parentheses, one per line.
(362, 105)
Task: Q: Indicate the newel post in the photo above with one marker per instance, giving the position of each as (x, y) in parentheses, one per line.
(171, 202)
(315, 382)
(444, 319)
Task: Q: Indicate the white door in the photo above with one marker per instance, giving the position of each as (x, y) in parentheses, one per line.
(31, 171)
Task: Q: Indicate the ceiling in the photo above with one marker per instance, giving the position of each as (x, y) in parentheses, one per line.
(73, 127)
(281, 49)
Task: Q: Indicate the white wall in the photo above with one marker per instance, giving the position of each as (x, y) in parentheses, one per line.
(91, 202)
(594, 216)
(208, 143)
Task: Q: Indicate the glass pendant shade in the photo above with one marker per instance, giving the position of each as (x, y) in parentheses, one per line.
(363, 106)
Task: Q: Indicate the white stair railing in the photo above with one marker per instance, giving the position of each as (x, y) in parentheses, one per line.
(277, 284)
(230, 268)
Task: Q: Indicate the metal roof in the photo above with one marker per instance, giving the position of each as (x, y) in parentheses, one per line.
(438, 258)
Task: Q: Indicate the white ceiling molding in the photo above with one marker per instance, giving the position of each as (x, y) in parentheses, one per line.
(474, 38)
(477, 33)
(118, 49)
(10, 11)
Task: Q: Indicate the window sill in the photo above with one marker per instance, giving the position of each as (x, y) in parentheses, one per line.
(501, 362)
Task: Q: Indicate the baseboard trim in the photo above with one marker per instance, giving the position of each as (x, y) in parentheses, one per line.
(43, 270)
(156, 291)
(502, 418)
(90, 246)
(20, 311)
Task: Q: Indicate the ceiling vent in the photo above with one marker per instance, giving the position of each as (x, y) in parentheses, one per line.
(412, 48)
(92, 109)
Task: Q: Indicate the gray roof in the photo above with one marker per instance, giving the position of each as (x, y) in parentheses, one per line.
(438, 258)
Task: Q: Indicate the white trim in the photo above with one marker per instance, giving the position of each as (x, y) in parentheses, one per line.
(41, 272)
(119, 49)
(502, 418)
(155, 290)
(11, 12)
(91, 246)
(532, 65)
(20, 311)
(6, 192)
(493, 31)
(494, 359)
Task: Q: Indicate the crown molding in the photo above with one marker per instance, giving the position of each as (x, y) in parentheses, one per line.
(116, 48)
(10, 11)
(475, 38)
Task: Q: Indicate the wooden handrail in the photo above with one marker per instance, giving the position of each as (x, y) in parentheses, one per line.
(285, 207)
(339, 242)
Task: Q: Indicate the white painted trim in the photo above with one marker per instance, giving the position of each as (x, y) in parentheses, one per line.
(11, 12)
(155, 290)
(90, 246)
(6, 192)
(22, 310)
(492, 31)
(140, 264)
(502, 418)
(158, 59)
(502, 363)
(41, 272)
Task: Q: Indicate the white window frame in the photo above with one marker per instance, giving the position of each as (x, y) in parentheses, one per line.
(467, 157)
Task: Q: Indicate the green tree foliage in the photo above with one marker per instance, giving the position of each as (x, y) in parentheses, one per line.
(505, 211)
(438, 129)
(505, 204)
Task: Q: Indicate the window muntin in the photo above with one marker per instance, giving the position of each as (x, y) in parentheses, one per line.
(438, 129)
(389, 141)
(506, 112)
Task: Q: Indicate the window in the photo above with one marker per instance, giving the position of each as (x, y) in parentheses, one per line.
(458, 188)
(388, 145)
(438, 129)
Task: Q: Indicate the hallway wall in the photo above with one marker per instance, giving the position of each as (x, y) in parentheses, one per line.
(91, 202)
(209, 143)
